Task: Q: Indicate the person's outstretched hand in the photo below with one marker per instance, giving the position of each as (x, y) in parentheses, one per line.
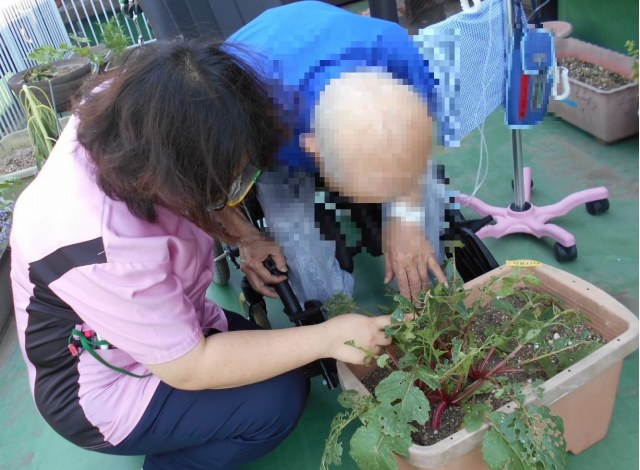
(409, 257)
(255, 248)
(365, 332)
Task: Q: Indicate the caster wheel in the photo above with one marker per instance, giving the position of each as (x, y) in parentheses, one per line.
(257, 313)
(597, 207)
(221, 272)
(513, 185)
(564, 253)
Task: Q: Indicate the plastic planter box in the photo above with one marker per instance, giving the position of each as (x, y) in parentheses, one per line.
(608, 115)
(582, 395)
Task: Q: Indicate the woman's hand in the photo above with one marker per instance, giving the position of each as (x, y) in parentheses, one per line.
(365, 332)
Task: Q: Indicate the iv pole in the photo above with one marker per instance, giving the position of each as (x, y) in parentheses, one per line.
(522, 216)
(516, 134)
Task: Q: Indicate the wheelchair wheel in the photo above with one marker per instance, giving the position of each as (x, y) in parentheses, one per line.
(221, 272)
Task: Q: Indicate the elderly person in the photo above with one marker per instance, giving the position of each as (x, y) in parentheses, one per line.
(111, 261)
(359, 97)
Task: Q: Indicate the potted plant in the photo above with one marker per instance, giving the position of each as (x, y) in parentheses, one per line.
(116, 42)
(467, 350)
(59, 78)
(604, 94)
(43, 129)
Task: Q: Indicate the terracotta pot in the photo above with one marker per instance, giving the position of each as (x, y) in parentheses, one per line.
(582, 395)
(64, 86)
(559, 29)
(608, 115)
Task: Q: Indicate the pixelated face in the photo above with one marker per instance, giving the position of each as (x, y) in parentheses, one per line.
(373, 137)
(383, 175)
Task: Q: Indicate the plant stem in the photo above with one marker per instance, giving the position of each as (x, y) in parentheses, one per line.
(475, 385)
(437, 415)
(392, 357)
(459, 384)
(537, 358)
(486, 359)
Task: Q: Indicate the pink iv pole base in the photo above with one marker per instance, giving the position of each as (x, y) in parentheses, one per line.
(533, 219)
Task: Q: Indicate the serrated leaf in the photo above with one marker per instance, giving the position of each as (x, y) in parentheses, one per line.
(531, 334)
(507, 288)
(408, 402)
(504, 306)
(531, 280)
(397, 316)
(349, 398)
(407, 360)
(431, 379)
(498, 454)
(476, 416)
(404, 304)
(456, 350)
(462, 310)
(526, 438)
(382, 360)
(545, 433)
(373, 450)
(387, 419)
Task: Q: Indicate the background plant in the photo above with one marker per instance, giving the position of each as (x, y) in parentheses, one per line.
(114, 37)
(42, 124)
(632, 51)
(43, 128)
(46, 56)
(445, 355)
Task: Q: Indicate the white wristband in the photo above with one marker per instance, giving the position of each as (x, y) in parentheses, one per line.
(407, 213)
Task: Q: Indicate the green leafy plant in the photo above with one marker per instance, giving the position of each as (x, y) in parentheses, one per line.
(114, 38)
(43, 129)
(46, 56)
(632, 51)
(42, 124)
(453, 352)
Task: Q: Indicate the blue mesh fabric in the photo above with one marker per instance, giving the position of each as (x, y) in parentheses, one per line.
(467, 53)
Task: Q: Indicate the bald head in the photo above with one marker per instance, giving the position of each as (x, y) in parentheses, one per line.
(372, 136)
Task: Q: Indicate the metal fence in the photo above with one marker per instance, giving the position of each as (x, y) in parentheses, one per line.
(85, 18)
(28, 24)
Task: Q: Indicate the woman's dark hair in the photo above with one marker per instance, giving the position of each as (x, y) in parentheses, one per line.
(175, 125)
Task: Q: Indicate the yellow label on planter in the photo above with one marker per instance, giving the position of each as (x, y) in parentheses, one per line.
(522, 263)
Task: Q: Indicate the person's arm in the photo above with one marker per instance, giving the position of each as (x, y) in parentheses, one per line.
(408, 254)
(255, 247)
(239, 358)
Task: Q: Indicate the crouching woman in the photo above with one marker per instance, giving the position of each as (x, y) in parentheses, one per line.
(112, 258)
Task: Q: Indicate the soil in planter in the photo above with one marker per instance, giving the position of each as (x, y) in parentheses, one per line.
(453, 417)
(49, 72)
(593, 75)
(17, 159)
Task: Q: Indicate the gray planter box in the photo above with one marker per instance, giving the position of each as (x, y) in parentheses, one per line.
(607, 115)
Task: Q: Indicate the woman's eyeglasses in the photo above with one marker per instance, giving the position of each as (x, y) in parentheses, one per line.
(239, 188)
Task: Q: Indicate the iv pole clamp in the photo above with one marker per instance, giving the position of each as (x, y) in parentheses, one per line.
(311, 314)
